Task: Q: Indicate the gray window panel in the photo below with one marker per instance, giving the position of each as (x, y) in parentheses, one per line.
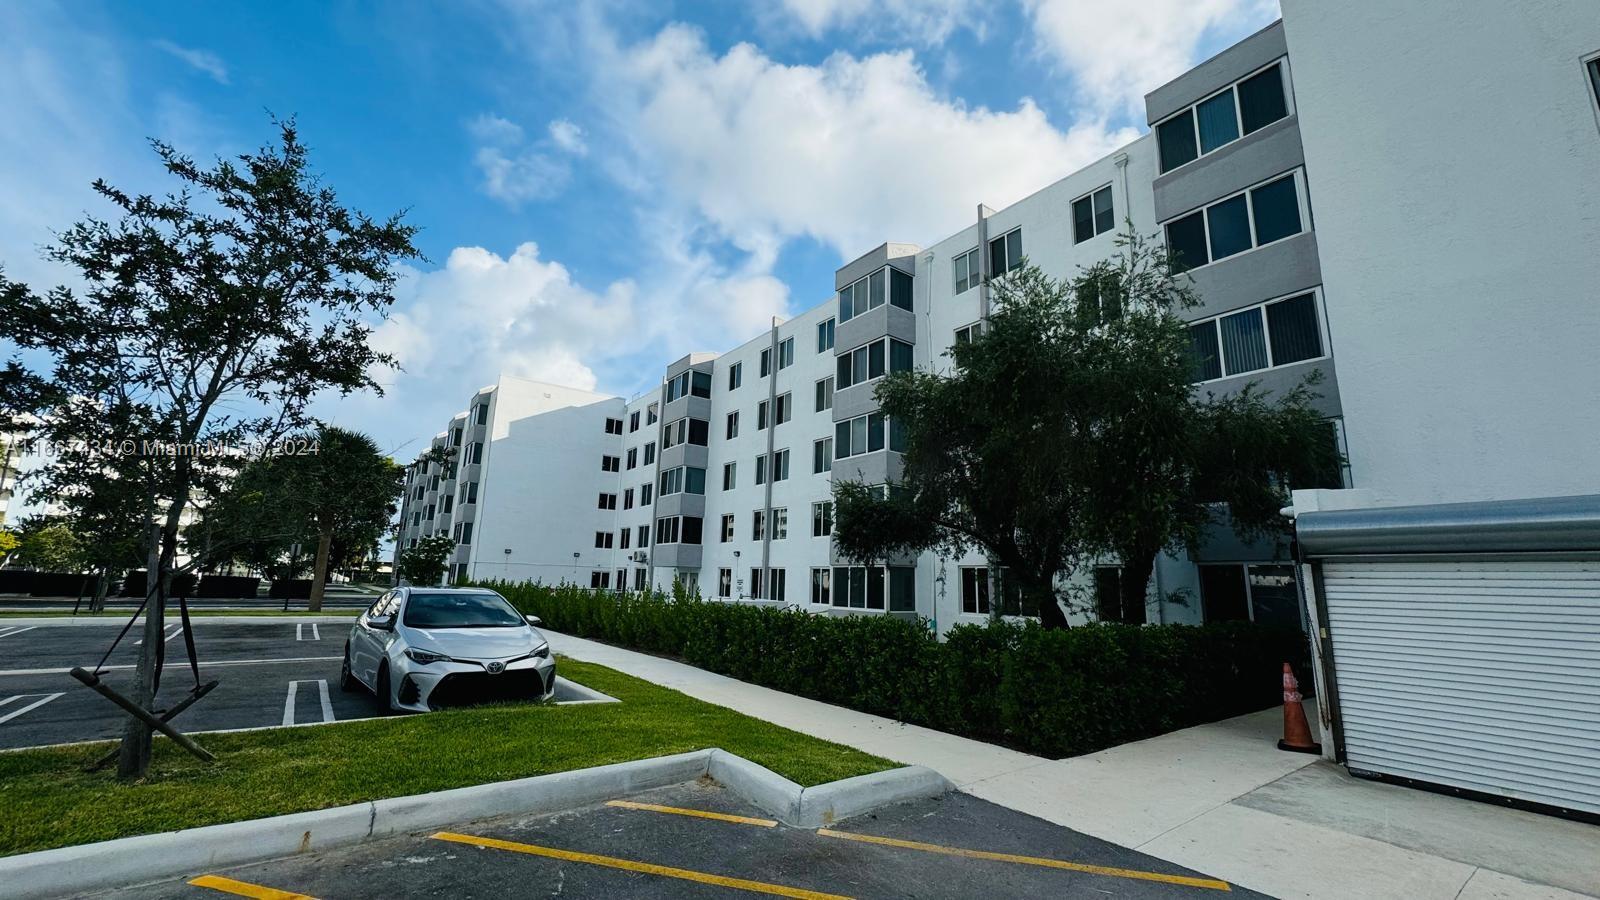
(1244, 342)
(1082, 220)
(858, 435)
(897, 436)
(1175, 137)
(1203, 352)
(694, 481)
(874, 432)
(900, 289)
(1292, 323)
(902, 589)
(875, 298)
(701, 387)
(959, 275)
(874, 576)
(875, 361)
(1104, 218)
(841, 440)
(1229, 223)
(899, 356)
(1186, 241)
(1277, 210)
(1261, 100)
(1218, 123)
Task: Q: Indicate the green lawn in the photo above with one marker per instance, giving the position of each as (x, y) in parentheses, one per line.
(50, 802)
(172, 613)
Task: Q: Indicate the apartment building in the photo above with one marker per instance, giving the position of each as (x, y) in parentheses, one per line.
(721, 479)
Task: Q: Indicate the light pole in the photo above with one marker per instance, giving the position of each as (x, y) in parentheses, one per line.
(738, 590)
(574, 568)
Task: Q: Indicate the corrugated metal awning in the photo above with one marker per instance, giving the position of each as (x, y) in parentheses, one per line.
(1540, 525)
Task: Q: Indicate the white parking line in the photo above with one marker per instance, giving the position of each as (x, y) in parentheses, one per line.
(176, 630)
(5, 633)
(31, 706)
(300, 632)
(322, 691)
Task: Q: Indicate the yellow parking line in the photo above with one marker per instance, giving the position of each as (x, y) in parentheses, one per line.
(1210, 883)
(629, 865)
(245, 889)
(697, 813)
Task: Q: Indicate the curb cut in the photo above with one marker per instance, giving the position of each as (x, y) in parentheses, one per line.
(125, 862)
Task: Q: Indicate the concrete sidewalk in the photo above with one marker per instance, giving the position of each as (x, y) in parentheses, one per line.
(1219, 798)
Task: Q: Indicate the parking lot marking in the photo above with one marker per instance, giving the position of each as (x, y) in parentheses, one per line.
(220, 662)
(245, 889)
(31, 706)
(176, 630)
(5, 632)
(1209, 883)
(300, 632)
(697, 813)
(322, 692)
(628, 865)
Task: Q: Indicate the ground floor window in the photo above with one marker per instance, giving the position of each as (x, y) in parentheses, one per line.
(724, 582)
(599, 580)
(639, 576)
(874, 587)
(1108, 597)
(975, 590)
(1238, 592)
(821, 581)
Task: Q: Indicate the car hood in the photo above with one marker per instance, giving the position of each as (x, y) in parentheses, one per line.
(476, 643)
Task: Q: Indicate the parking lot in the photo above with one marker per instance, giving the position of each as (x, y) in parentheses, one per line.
(271, 674)
(700, 841)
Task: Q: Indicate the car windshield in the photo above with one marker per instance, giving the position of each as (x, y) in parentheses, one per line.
(460, 611)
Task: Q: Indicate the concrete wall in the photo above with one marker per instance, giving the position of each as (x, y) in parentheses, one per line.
(1454, 162)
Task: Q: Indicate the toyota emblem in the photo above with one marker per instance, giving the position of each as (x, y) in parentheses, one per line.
(496, 667)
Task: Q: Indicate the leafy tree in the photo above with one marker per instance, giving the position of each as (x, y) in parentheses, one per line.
(424, 564)
(9, 543)
(49, 545)
(1070, 429)
(210, 317)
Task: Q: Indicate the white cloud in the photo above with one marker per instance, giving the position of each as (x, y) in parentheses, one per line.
(202, 60)
(924, 21)
(568, 137)
(1117, 53)
(515, 171)
(852, 152)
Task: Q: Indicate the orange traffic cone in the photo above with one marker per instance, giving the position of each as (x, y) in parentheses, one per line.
(1296, 731)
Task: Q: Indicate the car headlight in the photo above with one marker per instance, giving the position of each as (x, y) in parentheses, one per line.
(542, 651)
(425, 656)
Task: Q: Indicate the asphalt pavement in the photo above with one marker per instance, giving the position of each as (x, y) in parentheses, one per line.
(701, 841)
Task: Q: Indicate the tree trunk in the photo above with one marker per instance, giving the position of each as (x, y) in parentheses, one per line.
(319, 576)
(98, 604)
(133, 760)
(1138, 562)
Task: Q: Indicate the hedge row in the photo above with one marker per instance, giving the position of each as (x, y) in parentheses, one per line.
(1056, 693)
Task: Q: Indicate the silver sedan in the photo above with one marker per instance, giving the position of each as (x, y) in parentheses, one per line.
(420, 649)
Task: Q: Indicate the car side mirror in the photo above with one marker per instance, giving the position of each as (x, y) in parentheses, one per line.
(382, 623)
(534, 620)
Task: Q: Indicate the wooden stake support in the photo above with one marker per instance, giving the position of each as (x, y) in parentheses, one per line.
(167, 716)
(93, 681)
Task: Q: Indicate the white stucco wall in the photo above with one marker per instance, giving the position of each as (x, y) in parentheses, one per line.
(1454, 164)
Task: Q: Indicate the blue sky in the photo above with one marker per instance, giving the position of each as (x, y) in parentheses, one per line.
(602, 186)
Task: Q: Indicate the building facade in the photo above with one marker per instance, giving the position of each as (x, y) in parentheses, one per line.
(721, 479)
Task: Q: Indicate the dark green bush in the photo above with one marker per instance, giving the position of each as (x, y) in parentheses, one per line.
(1055, 693)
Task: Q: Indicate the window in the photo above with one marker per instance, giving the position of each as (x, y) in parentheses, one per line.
(678, 530)
(821, 580)
(627, 499)
(822, 456)
(758, 584)
(822, 519)
(600, 580)
(469, 492)
(475, 456)
(610, 463)
(900, 289)
(683, 480)
(777, 582)
(699, 385)
(967, 272)
(824, 335)
(602, 540)
(724, 582)
(639, 576)
(649, 453)
(761, 415)
(969, 333)
(761, 470)
(699, 432)
(1005, 253)
(858, 587)
(445, 509)
(1222, 118)
(871, 361)
(1108, 597)
(613, 426)
(825, 394)
(674, 434)
(733, 425)
(608, 501)
(455, 437)
(730, 475)
(780, 523)
(633, 457)
(646, 493)
(481, 415)
(727, 529)
(975, 590)
(1265, 213)
(735, 376)
(633, 422)
(677, 387)
(766, 362)
(650, 414)
(885, 285)
(1092, 215)
(902, 589)
(786, 353)
(785, 409)
(1273, 334)
(623, 537)
(758, 525)
(644, 536)
(866, 434)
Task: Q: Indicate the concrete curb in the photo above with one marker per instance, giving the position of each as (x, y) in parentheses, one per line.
(69, 871)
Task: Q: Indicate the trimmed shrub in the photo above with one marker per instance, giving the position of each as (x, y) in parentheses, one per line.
(134, 585)
(290, 589)
(16, 581)
(61, 584)
(228, 587)
(1054, 693)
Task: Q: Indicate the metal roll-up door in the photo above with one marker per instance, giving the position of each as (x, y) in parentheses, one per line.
(1479, 675)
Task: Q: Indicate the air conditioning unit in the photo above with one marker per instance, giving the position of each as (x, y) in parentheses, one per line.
(640, 556)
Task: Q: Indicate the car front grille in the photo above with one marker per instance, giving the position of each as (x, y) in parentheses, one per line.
(468, 688)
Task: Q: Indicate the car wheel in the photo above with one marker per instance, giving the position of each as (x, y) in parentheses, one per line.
(347, 681)
(385, 698)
